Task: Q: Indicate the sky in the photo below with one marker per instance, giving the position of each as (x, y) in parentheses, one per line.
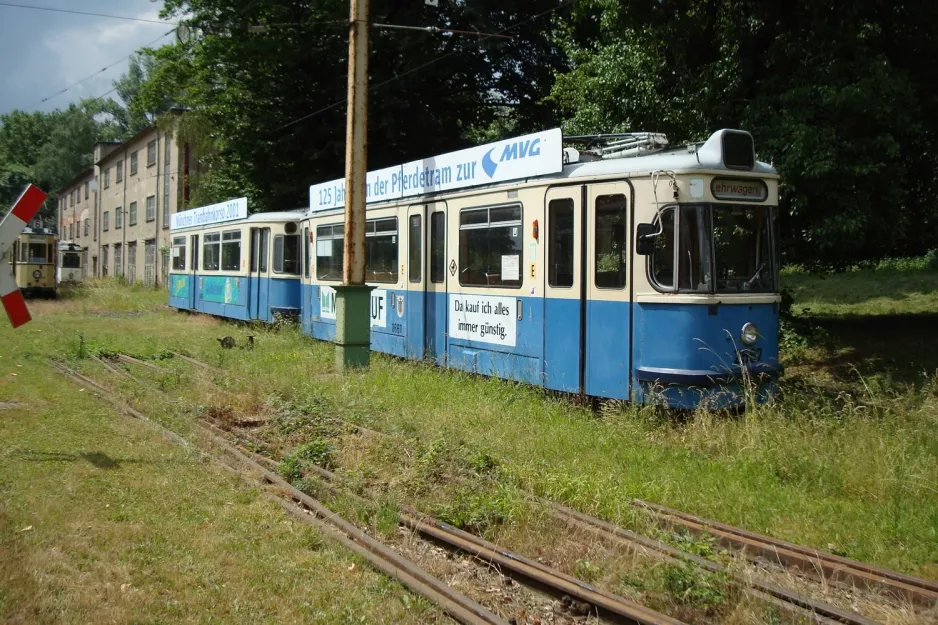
(42, 53)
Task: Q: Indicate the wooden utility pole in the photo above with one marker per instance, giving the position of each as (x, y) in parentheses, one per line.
(353, 327)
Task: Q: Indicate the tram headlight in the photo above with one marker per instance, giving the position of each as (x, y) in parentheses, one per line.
(749, 334)
(37, 274)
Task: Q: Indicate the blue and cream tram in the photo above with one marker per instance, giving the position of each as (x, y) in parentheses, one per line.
(226, 263)
(620, 270)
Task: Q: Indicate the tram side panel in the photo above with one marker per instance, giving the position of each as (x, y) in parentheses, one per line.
(494, 300)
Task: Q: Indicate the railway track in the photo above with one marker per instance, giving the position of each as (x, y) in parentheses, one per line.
(758, 549)
(818, 564)
(455, 604)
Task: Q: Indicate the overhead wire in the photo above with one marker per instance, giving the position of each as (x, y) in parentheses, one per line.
(422, 66)
(88, 13)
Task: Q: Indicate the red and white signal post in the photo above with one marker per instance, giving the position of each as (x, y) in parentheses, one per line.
(11, 227)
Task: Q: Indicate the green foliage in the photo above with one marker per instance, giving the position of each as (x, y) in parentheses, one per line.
(428, 94)
(478, 509)
(837, 98)
(317, 452)
(692, 586)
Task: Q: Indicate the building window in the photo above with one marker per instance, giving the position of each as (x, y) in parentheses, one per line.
(179, 253)
(381, 250)
(107, 178)
(287, 254)
(611, 244)
(118, 218)
(415, 259)
(211, 251)
(490, 246)
(77, 230)
(104, 220)
(86, 189)
(133, 163)
(71, 230)
(231, 250)
(133, 213)
(329, 256)
(560, 243)
(71, 196)
(87, 225)
(118, 260)
(151, 208)
(119, 171)
(166, 151)
(151, 153)
(78, 195)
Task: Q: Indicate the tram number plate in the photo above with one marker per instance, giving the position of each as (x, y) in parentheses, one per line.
(748, 355)
(397, 328)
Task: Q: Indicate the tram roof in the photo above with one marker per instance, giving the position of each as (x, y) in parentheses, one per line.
(676, 160)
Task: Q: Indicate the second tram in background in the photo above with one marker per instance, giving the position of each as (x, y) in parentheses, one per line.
(33, 259)
(69, 269)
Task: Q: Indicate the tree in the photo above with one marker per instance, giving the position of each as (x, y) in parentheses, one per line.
(269, 105)
(834, 94)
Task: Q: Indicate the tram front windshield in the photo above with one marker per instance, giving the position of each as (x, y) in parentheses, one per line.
(71, 261)
(37, 253)
(721, 248)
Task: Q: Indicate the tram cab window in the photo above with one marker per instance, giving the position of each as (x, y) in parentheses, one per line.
(211, 251)
(37, 253)
(329, 258)
(662, 259)
(71, 260)
(231, 250)
(721, 248)
(287, 253)
(742, 243)
(179, 253)
(437, 247)
(490, 246)
(381, 250)
(560, 237)
(610, 241)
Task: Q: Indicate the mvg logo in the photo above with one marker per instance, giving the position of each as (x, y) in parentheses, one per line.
(514, 151)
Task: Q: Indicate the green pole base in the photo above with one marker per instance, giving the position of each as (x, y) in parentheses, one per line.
(352, 327)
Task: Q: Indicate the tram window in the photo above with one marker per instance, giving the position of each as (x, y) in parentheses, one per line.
(211, 251)
(490, 246)
(231, 250)
(610, 241)
(381, 250)
(694, 256)
(70, 260)
(437, 247)
(255, 247)
(287, 253)
(265, 246)
(179, 253)
(329, 241)
(742, 242)
(37, 253)
(414, 245)
(306, 252)
(560, 259)
(662, 259)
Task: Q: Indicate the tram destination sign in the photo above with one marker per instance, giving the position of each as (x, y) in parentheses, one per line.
(536, 154)
(211, 214)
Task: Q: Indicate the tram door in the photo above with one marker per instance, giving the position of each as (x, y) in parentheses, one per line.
(435, 277)
(193, 270)
(608, 290)
(411, 308)
(258, 306)
(564, 291)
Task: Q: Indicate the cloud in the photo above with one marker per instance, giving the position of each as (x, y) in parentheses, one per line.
(64, 49)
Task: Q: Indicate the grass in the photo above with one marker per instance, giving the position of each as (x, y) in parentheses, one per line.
(845, 461)
(103, 520)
